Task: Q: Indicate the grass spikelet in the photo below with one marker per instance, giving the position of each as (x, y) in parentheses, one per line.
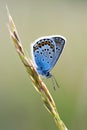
(35, 78)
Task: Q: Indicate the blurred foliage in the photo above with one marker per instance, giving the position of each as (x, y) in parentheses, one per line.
(20, 105)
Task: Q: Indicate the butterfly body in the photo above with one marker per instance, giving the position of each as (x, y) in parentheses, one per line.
(46, 52)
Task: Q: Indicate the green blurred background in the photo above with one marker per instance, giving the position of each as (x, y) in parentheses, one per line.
(20, 105)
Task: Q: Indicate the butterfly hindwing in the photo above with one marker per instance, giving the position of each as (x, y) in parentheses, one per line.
(44, 53)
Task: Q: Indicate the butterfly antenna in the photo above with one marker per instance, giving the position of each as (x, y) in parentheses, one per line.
(54, 81)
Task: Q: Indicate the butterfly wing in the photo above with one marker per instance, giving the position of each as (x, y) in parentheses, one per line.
(43, 51)
(59, 45)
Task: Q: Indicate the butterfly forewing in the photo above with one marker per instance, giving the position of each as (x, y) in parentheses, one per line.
(59, 45)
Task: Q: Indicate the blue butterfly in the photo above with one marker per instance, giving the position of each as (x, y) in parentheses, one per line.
(46, 52)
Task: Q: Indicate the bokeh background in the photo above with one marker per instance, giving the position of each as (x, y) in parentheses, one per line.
(20, 105)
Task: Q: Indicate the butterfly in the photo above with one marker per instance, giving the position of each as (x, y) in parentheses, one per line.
(46, 52)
